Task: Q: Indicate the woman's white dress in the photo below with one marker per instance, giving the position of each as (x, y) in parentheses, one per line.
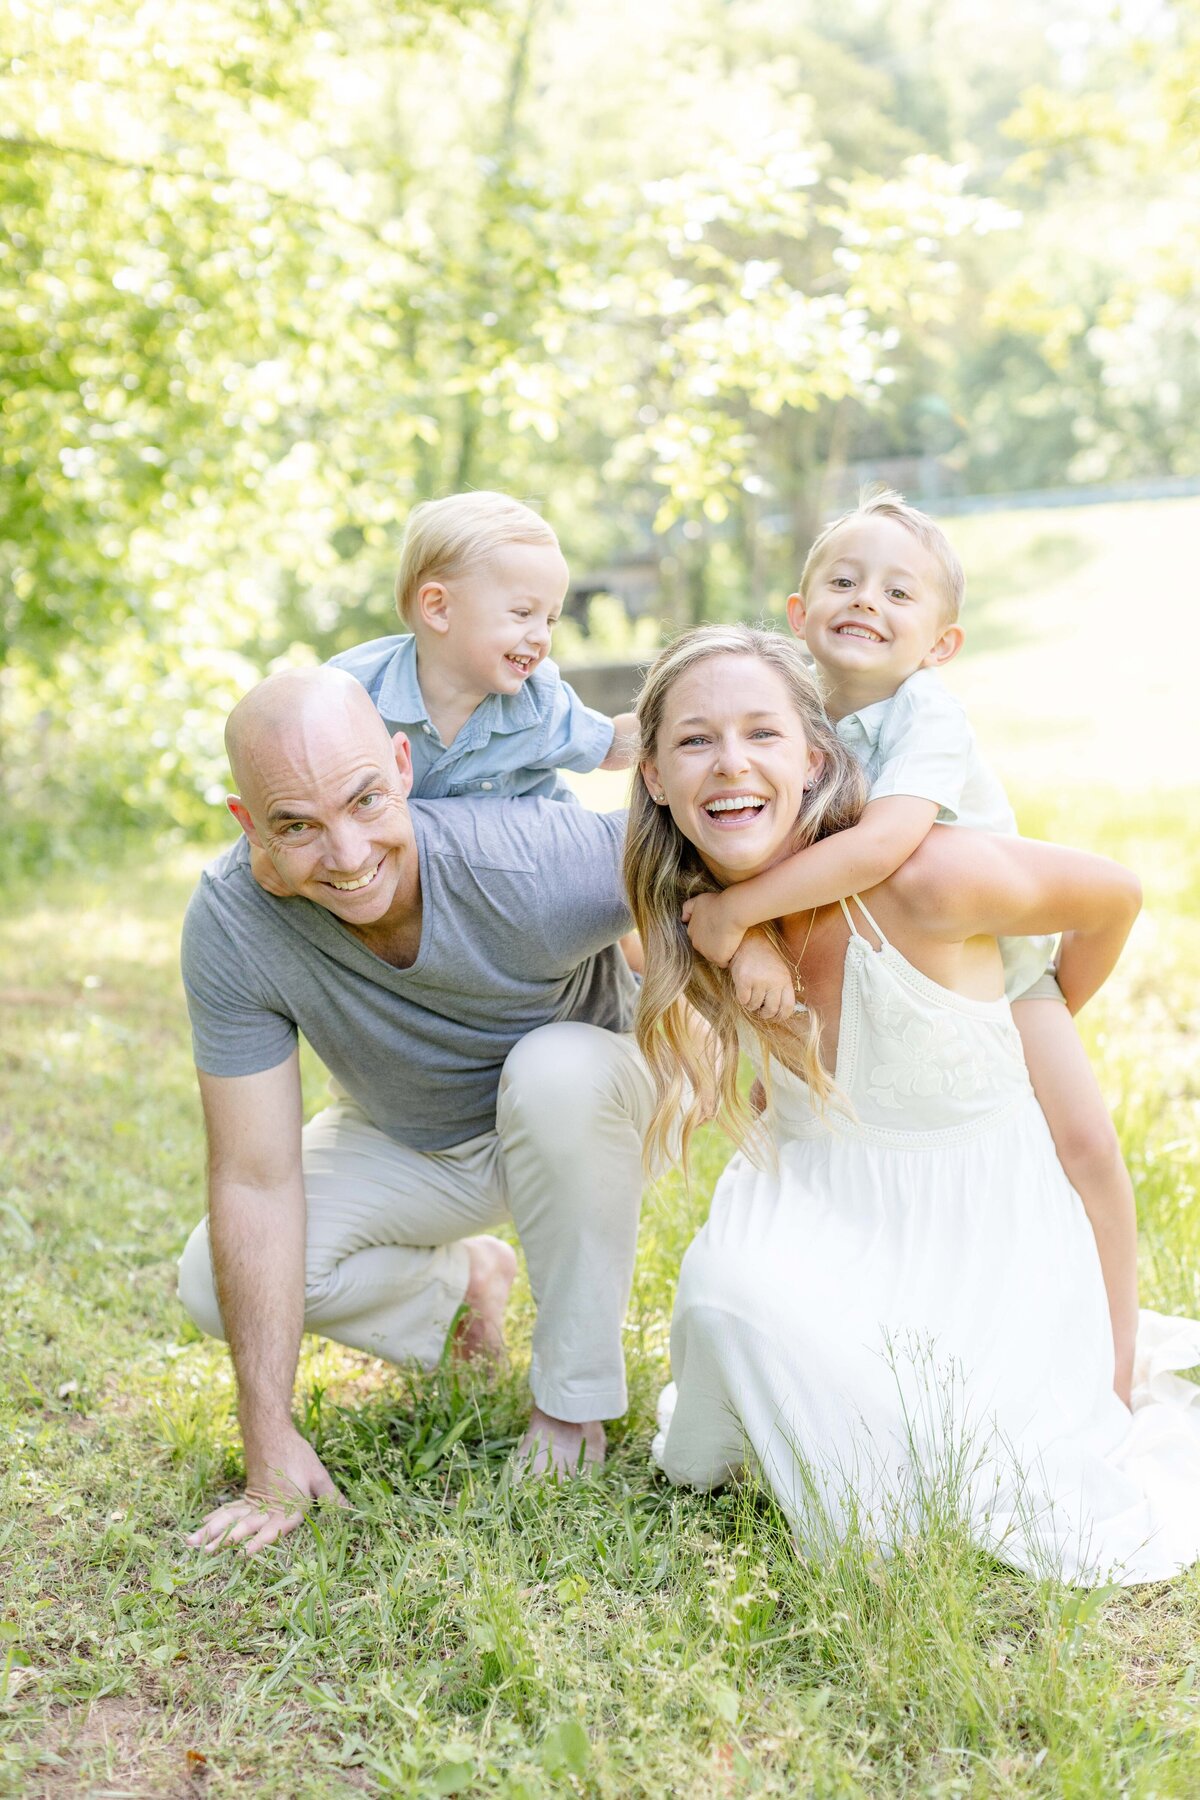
(902, 1312)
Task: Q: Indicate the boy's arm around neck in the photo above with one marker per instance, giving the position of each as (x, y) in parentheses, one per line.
(849, 862)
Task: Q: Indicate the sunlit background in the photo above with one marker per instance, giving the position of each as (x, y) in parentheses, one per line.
(682, 275)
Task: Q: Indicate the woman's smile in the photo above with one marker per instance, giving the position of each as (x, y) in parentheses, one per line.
(733, 811)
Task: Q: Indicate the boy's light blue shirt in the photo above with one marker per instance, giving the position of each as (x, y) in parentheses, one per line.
(919, 743)
(511, 744)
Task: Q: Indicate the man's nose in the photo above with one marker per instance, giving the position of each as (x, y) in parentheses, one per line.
(345, 847)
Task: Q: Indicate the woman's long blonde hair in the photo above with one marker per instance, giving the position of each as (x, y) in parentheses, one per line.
(663, 869)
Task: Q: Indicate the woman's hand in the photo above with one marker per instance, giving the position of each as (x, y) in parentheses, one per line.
(763, 980)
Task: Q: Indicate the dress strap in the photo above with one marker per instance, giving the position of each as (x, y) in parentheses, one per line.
(854, 931)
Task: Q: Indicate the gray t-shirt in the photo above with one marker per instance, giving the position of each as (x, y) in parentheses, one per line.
(522, 902)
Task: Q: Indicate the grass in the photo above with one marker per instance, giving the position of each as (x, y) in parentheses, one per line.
(452, 1634)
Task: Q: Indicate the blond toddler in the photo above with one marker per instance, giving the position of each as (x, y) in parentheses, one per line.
(480, 587)
(878, 609)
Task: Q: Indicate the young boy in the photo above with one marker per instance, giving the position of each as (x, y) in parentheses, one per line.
(480, 588)
(878, 608)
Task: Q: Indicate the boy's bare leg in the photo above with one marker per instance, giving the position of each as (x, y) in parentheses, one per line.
(1090, 1153)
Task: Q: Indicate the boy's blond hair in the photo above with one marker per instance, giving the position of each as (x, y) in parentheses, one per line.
(444, 538)
(885, 501)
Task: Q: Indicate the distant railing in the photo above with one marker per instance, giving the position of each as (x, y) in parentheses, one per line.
(612, 687)
(1154, 487)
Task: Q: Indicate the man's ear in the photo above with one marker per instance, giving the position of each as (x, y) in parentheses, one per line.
(948, 645)
(243, 818)
(404, 766)
(797, 612)
(432, 606)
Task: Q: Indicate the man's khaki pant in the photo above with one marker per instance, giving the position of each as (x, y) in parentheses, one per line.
(386, 1268)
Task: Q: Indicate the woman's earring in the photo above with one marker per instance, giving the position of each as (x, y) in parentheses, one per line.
(660, 799)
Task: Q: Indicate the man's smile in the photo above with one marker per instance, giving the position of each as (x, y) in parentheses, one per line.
(359, 881)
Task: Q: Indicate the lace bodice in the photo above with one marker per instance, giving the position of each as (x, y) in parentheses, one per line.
(918, 1063)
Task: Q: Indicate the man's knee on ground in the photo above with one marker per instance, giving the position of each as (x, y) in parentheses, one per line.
(196, 1288)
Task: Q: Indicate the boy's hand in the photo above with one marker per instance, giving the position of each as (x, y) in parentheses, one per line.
(765, 984)
(263, 871)
(623, 752)
(714, 934)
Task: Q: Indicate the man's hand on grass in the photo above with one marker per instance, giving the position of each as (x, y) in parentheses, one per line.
(281, 1487)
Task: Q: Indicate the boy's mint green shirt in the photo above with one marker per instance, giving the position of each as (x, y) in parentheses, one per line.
(920, 744)
(511, 744)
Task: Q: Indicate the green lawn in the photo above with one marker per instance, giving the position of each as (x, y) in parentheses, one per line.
(451, 1634)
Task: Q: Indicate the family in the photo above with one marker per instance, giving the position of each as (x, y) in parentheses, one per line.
(918, 1272)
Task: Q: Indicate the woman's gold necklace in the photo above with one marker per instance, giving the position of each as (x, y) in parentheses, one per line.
(797, 977)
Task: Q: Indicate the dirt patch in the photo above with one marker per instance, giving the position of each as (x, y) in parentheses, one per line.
(116, 1747)
(128, 1747)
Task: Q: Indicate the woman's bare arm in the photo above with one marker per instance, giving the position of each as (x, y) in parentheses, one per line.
(962, 884)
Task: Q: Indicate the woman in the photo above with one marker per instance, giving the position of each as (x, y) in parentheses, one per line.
(896, 1303)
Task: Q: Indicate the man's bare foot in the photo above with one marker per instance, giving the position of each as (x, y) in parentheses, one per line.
(557, 1448)
(493, 1268)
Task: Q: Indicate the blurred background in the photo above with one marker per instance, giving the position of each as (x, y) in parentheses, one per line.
(683, 276)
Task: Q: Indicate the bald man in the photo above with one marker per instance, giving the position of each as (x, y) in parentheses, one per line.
(454, 965)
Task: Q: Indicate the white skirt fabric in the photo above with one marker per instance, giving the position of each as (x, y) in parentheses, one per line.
(881, 1331)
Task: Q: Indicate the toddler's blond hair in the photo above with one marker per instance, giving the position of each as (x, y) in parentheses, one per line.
(885, 501)
(444, 538)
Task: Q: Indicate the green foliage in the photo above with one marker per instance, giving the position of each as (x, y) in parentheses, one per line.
(272, 272)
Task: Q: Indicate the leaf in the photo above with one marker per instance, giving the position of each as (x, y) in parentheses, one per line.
(429, 1459)
(19, 1224)
(161, 1580)
(451, 1778)
(565, 1749)
(725, 1704)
